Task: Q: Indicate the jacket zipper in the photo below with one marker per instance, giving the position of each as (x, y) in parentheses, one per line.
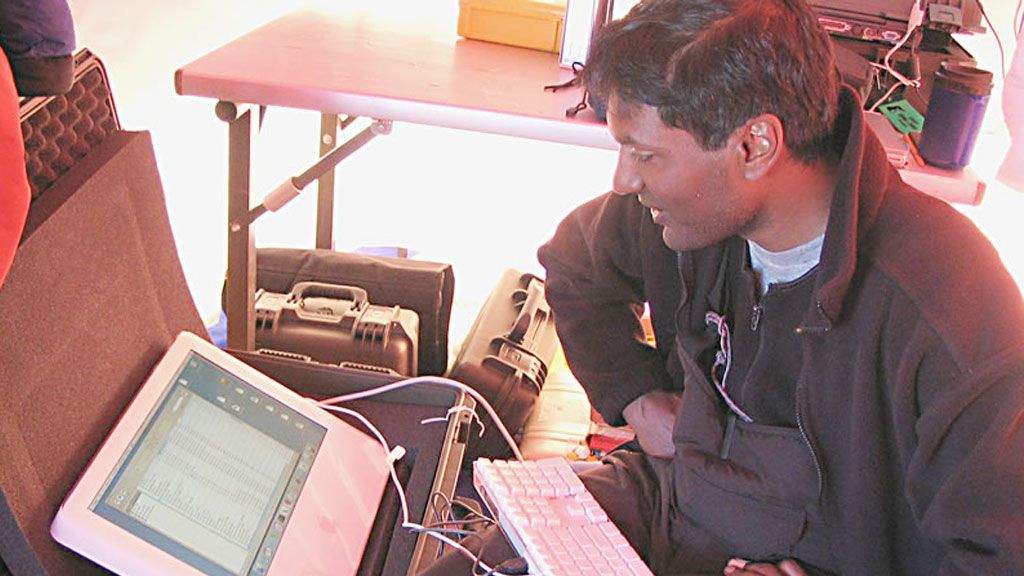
(755, 321)
(799, 416)
(755, 317)
(807, 440)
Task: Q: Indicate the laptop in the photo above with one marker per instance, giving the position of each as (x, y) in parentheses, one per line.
(216, 469)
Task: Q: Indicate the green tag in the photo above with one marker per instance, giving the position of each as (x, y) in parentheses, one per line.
(903, 115)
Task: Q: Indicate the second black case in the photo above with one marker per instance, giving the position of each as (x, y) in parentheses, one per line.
(506, 356)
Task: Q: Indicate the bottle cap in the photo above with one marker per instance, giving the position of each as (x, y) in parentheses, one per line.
(964, 77)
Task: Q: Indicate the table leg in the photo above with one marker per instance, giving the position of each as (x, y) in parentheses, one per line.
(325, 184)
(243, 125)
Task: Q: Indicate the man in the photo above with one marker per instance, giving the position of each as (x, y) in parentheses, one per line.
(842, 355)
(865, 419)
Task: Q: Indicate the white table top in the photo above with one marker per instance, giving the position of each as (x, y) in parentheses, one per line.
(341, 63)
(336, 63)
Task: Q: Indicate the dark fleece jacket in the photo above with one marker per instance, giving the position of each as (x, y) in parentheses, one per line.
(911, 387)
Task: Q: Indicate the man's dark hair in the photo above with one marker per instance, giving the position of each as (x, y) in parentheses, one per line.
(708, 66)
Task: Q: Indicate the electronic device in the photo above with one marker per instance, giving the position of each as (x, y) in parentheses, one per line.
(886, 20)
(216, 469)
(883, 46)
(549, 517)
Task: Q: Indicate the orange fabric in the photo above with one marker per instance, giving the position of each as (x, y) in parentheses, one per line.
(14, 189)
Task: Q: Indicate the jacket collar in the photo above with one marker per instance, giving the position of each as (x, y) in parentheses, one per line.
(864, 175)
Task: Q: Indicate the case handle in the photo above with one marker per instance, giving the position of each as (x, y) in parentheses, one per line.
(303, 290)
(531, 310)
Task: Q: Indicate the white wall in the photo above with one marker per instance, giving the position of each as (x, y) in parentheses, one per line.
(482, 202)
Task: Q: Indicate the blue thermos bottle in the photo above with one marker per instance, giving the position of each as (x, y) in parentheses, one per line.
(955, 110)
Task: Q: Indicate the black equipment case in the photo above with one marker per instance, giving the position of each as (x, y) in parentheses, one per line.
(335, 324)
(426, 288)
(506, 356)
(61, 130)
(87, 310)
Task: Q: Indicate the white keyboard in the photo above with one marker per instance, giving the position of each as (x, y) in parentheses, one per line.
(551, 519)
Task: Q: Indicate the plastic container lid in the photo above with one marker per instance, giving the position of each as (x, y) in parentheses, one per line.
(964, 77)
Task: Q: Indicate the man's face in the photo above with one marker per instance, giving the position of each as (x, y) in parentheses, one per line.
(697, 196)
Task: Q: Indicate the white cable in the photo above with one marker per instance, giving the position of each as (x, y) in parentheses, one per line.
(433, 380)
(456, 410)
(884, 97)
(329, 404)
(387, 450)
(887, 66)
(916, 17)
(394, 455)
(462, 549)
(914, 21)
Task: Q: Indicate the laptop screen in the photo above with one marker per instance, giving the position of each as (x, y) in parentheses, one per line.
(213, 475)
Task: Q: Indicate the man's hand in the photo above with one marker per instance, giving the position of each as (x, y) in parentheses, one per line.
(738, 567)
(652, 417)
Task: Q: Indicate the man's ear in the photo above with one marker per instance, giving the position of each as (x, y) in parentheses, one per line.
(760, 142)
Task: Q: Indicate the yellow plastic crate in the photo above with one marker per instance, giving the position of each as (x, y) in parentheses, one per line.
(536, 24)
